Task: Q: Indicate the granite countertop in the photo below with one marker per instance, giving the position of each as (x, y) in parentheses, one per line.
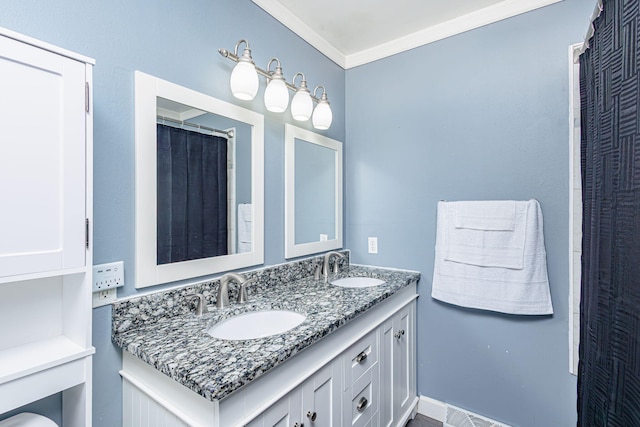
(180, 347)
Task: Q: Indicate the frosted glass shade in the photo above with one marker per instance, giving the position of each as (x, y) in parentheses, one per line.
(322, 116)
(301, 106)
(276, 96)
(244, 81)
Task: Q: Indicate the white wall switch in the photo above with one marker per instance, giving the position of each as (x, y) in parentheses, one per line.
(324, 237)
(108, 276)
(373, 245)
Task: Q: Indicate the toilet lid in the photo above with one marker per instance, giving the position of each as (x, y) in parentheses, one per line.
(27, 419)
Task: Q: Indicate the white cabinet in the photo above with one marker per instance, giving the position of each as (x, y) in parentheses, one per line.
(316, 402)
(42, 160)
(397, 367)
(45, 258)
(287, 412)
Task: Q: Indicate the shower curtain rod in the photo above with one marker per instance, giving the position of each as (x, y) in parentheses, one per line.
(227, 133)
(596, 12)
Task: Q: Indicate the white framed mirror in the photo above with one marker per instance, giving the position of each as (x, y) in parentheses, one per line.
(313, 192)
(199, 183)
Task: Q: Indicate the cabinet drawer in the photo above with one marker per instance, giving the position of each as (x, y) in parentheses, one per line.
(359, 358)
(364, 399)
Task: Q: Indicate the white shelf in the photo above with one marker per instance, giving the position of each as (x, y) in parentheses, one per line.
(17, 362)
(32, 371)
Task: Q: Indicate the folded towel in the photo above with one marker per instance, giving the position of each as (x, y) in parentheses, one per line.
(497, 215)
(486, 233)
(506, 290)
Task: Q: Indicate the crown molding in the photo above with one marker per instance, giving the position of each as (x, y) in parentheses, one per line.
(488, 15)
(295, 24)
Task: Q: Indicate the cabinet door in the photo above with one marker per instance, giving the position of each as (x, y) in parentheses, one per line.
(387, 344)
(403, 357)
(321, 397)
(397, 365)
(285, 413)
(42, 160)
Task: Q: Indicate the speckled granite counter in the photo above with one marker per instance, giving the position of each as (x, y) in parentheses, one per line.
(160, 330)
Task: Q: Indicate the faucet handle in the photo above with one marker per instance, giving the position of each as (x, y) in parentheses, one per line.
(336, 267)
(318, 271)
(201, 306)
(243, 296)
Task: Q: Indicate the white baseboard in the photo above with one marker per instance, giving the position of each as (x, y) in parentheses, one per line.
(432, 408)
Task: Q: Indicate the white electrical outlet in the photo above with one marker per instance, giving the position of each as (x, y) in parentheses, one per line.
(324, 237)
(108, 276)
(373, 245)
(104, 297)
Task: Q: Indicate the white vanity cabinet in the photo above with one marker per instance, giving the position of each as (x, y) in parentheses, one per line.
(45, 256)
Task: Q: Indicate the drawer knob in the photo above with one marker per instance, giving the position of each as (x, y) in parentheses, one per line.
(361, 357)
(312, 416)
(399, 334)
(362, 404)
(298, 425)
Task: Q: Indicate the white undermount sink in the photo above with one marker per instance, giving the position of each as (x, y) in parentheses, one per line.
(357, 282)
(256, 324)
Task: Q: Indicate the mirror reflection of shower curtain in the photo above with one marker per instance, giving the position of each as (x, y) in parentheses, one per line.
(609, 366)
(192, 195)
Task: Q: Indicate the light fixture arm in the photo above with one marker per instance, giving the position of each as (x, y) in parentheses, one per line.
(277, 74)
(324, 94)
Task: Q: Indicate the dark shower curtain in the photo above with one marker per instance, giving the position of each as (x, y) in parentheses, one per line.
(192, 195)
(609, 369)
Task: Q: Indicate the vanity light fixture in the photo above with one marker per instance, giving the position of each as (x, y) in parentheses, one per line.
(322, 115)
(244, 77)
(276, 95)
(244, 85)
(301, 105)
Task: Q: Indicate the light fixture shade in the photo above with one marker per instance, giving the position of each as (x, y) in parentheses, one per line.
(276, 96)
(322, 116)
(301, 105)
(244, 81)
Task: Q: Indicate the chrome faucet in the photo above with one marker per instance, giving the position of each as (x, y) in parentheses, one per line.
(201, 305)
(326, 263)
(223, 289)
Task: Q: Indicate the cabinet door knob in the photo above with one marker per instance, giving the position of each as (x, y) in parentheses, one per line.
(362, 404)
(361, 357)
(399, 334)
(312, 416)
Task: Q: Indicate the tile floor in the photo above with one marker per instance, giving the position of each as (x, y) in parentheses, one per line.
(422, 421)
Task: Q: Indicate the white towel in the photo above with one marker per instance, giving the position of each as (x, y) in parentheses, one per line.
(245, 227)
(497, 215)
(506, 290)
(486, 233)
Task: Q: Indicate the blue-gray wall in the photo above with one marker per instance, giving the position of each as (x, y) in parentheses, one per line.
(481, 115)
(176, 41)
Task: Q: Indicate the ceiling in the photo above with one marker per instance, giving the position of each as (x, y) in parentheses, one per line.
(356, 32)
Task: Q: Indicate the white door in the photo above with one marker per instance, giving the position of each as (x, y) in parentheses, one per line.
(321, 397)
(42, 160)
(387, 344)
(402, 360)
(285, 413)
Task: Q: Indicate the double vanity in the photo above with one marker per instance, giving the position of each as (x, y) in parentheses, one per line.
(312, 342)
(346, 358)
